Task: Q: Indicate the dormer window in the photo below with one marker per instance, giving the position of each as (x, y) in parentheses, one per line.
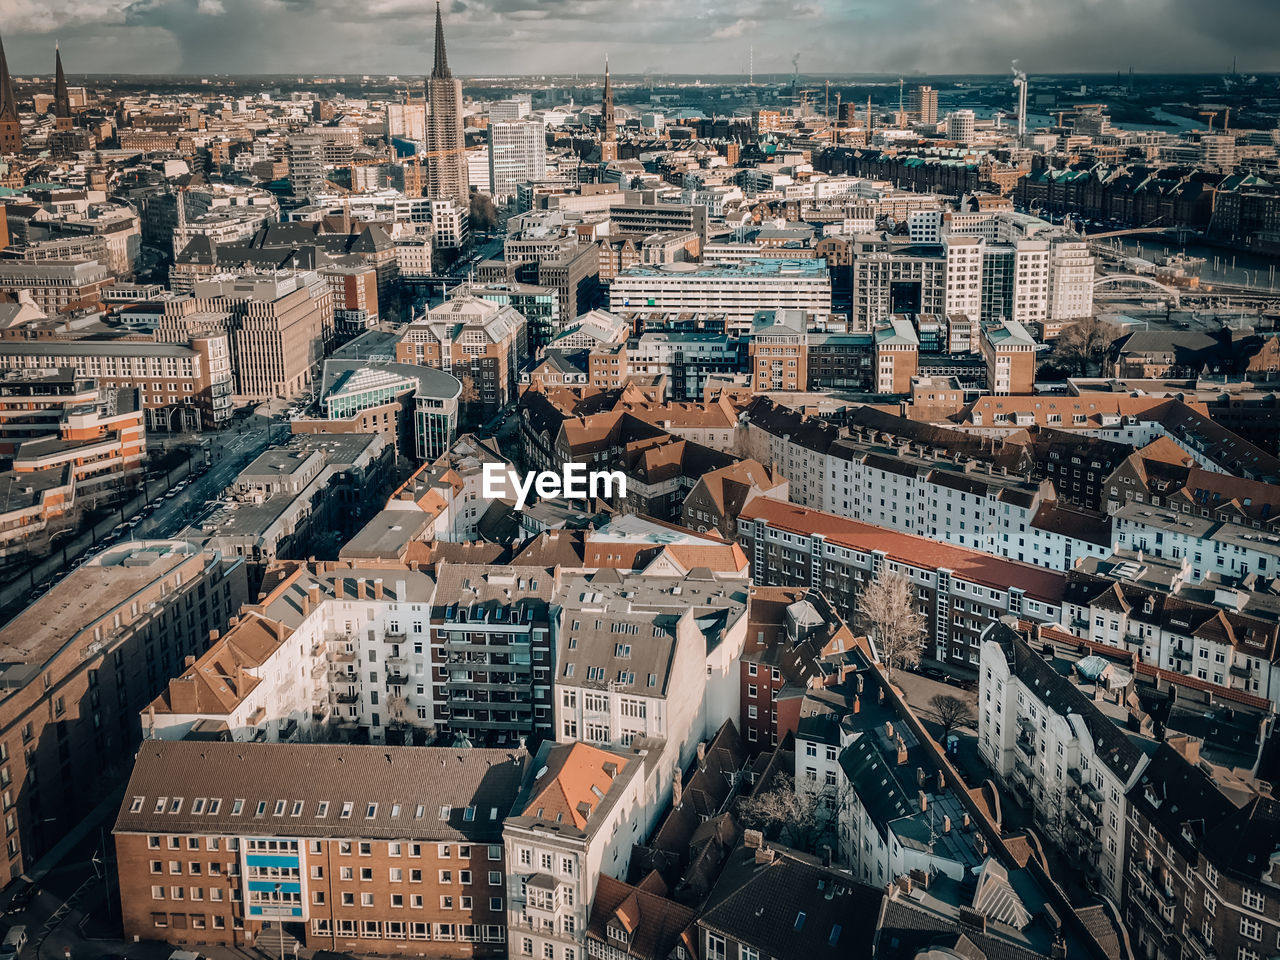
(617, 933)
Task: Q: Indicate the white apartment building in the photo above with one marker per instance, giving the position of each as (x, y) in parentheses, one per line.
(648, 657)
(1061, 747)
(580, 811)
(739, 289)
(348, 647)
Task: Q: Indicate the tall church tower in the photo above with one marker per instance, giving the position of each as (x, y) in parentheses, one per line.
(609, 126)
(61, 98)
(10, 126)
(446, 147)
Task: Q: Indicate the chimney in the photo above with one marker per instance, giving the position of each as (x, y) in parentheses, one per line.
(902, 752)
(964, 820)
(188, 661)
(919, 776)
(306, 605)
(942, 780)
(702, 752)
(751, 839)
(1059, 949)
(946, 824)
(764, 854)
(826, 854)
(213, 637)
(377, 588)
(888, 729)
(924, 801)
(360, 594)
(313, 593)
(857, 705)
(676, 788)
(339, 584)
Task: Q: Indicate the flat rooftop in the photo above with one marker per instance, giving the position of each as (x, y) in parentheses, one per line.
(83, 597)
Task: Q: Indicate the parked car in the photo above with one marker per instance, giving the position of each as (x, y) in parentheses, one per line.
(24, 891)
(14, 941)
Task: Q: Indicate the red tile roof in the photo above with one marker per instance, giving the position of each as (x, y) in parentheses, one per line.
(971, 565)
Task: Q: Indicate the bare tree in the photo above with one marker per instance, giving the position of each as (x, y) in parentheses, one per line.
(782, 812)
(887, 612)
(1084, 345)
(952, 712)
(469, 396)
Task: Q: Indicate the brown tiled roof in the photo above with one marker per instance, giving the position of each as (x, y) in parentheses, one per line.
(654, 924)
(321, 790)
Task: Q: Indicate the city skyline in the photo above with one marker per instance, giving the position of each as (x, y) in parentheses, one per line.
(524, 37)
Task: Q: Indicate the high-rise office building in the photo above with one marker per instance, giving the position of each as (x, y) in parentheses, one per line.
(10, 125)
(924, 104)
(960, 126)
(446, 154)
(517, 154)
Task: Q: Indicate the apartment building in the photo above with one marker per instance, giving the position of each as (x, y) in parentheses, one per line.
(57, 287)
(1060, 743)
(1220, 633)
(894, 812)
(959, 591)
(684, 359)
(737, 289)
(78, 665)
(648, 656)
(580, 810)
(967, 502)
(216, 842)
(477, 341)
(778, 354)
(1200, 862)
(180, 386)
(493, 651)
(790, 630)
(1009, 353)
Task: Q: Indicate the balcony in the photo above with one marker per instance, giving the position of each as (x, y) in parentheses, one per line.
(320, 714)
(397, 679)
(1075, 776)
(342, 656)
(390, 637)
(319, 669)
(344, 675)
(1026, 745)
(397, 661)
(1180, 654)
(319, 648)
(1021, 769)
(347, 699)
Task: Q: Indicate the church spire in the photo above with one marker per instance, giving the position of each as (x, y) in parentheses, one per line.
(10, 125)
(8, 102)
(441, 70)
(61, 98)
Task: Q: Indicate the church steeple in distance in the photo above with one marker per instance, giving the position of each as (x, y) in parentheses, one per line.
(10, 125)
(441, 69)
(447, 177)
(608, 124)
(61, 98)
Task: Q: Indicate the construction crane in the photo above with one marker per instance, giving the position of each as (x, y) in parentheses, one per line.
(1226, 121)
(1210, 114)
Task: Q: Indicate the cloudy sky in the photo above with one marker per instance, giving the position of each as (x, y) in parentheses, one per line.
(488, 37)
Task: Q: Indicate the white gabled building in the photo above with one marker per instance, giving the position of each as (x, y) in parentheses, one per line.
(1059, 744)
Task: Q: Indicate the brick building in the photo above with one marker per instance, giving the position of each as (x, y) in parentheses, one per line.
(78, 664)
(216, 842)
